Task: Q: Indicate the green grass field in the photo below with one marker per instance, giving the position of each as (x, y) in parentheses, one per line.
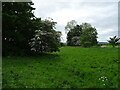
(72, 67)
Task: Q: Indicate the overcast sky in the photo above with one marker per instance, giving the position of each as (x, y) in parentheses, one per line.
(102, 15)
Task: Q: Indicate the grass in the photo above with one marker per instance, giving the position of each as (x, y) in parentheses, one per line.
(72, 67)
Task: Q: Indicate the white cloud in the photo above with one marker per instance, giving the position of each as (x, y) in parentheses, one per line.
(36, 1)
(102, 15)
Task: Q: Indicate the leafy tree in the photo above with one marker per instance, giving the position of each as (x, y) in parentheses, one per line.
(114, 41)
(76, 41)
(84, 35)
(17, 27)
(22, 31)
(89, 35)
(86, 25)
(73, 36)
(46, 38)
(70, 25)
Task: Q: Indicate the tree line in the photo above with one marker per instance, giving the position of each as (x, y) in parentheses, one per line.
(85, 35)
(81, 35)
(25, 34)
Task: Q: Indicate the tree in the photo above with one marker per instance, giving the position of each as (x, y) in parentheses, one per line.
(22, 31)
(17, 27)
(73, 36)
(114, 41)
(84, 35)
(76, 41)
(86, 25)
(46, 38)
(70, 25)
(89, 35)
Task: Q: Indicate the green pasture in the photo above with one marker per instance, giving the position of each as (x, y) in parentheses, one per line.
(72, 67)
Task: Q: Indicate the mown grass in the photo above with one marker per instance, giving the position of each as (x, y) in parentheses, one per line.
(72, 67)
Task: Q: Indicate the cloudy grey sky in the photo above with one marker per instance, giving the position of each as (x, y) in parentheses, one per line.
(102, 15)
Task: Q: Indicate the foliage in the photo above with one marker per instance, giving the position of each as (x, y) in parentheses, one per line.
(46, 38)
(85, 68)
(70, 25)
(63, 44)
(86, 25)
(23, 32)
(82, 35)
(73, 36)
(114, 41)
(17, 27)
(75, 41)
(89, 36)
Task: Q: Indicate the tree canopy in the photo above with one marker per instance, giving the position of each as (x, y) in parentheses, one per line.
(21, 29)
(46, 39)
(84, 35)
(70, 25)
(73, 36)
(17, 27)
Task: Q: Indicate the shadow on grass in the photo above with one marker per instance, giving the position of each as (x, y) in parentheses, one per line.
(26, 60)
(34, 55)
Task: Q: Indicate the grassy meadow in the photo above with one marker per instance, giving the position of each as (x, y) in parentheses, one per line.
(72, 67)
